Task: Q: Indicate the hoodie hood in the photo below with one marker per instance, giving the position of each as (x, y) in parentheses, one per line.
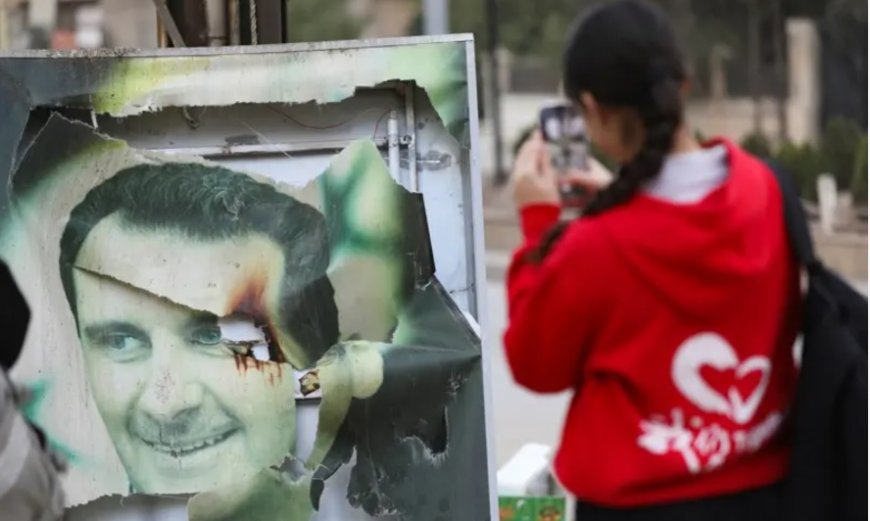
(701, 255)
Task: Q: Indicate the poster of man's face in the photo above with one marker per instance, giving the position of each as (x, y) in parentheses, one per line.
(243, 330)
(198, 387)
(200, 309)
(185, 310)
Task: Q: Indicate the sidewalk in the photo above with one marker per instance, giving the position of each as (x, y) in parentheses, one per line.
(497, 263)
(501, 227)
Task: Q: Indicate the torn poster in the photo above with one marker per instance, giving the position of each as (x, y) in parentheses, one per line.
(183, 308)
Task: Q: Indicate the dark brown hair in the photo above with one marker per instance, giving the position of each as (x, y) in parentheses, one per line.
(625, 54)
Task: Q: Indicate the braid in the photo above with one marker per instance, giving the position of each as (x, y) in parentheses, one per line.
(660, 117)
(660, 120)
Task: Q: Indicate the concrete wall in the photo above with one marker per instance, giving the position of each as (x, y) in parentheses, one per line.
(130, 23)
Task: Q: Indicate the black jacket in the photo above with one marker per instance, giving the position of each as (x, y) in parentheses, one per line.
(828, 476)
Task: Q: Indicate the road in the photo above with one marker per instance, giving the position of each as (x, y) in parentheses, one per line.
(520, 416)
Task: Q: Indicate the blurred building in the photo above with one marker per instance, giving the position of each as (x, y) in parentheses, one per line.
(384, 18)
(66, 24)
(86, 24)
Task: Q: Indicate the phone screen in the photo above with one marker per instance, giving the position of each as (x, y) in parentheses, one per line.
(563, 129)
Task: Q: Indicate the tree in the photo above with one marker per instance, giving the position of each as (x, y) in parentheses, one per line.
(805, 163)
(538, 29)
(859, 175)
(527, 28)
(840, 144)
(757, 144)
(843, 33)
(320, 20)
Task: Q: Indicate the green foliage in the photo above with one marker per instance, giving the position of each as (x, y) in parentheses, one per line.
(537, 28)
(839, 146)
(859, 174)
(842, 152)
(320, 20)
(805, 163)
(758, 145)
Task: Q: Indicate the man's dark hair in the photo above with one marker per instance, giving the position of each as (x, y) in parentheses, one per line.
(209, 203)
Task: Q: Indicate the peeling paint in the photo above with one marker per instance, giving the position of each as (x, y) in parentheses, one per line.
(128, 83)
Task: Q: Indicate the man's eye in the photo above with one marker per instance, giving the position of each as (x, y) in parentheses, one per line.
(206, 335)
(122, 342)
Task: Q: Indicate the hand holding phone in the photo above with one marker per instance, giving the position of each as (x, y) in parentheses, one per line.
(564, 131)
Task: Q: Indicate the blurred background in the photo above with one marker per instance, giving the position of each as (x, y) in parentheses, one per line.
(787, 78)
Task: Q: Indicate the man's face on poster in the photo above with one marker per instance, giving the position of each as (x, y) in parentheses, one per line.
(185, 407)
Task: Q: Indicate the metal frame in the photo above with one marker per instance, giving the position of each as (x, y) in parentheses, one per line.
(245, 49)
(479, 266)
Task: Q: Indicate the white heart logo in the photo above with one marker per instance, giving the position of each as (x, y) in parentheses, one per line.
(713, 350)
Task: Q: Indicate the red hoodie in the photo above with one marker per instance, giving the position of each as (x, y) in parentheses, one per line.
(674, 325)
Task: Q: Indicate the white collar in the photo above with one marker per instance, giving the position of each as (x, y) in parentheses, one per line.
(689, 177)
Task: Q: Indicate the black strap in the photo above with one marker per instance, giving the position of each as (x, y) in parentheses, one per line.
(795, 219)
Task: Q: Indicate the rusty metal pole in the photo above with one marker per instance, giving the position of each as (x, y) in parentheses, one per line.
(233, 20)
(162, 38)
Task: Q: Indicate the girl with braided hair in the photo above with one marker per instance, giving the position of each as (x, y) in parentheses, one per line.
(670, 308)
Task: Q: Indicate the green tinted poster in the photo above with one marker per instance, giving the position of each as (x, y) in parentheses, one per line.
(183, 309)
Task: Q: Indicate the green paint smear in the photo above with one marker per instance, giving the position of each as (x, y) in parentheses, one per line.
(31, 411)
(360, 167)
(133, 78)
(285, 77)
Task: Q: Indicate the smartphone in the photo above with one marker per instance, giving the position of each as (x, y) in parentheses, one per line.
(564, 131)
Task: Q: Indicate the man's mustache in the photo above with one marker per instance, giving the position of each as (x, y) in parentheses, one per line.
(186, 429)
